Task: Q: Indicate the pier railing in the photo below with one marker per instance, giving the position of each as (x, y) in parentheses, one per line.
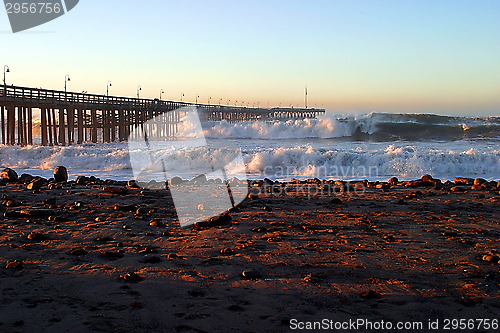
(70, 117)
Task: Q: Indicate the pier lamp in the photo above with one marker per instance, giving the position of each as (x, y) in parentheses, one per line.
(161, 92)
(6, 69)
(197, 96)
(209, 98)
(236, 103)
(182, 96)
(228, 101)
(139, 88)
(107, 88)
(220, 100)
(66, 80)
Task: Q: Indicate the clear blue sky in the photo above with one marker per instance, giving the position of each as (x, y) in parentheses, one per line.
(354, 56)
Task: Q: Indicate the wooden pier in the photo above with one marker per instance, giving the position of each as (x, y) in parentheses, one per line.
(67, 117)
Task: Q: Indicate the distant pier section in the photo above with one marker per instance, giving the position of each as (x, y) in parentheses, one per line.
(68, 117)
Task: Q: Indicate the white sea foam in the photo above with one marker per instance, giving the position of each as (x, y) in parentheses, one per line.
(280, 160)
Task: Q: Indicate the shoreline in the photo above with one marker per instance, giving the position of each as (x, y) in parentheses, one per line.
(80, 258)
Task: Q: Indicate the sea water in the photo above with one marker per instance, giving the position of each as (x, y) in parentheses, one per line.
(374, 146)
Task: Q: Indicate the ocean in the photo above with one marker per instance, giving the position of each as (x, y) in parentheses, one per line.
(374, 146)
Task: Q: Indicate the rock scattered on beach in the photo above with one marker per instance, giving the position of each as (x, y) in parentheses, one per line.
(9, 175)
(131, 277)
(14, 264)
(36, 184)
(491, 258)
(115, 189)
(78, 251)
(60, 174)
(251, 274)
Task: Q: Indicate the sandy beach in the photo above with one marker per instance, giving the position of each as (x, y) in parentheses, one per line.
(103, 257)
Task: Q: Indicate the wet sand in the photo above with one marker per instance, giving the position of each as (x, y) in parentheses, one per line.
(72, 262)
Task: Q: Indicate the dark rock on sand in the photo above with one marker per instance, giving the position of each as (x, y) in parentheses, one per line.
(78, 251)
(214, 221)
(131, 277)
(393, 181)
(151, 260)
(60, 174)
(336, 201)
(36, 236)
(251, 274)
(115, 189)
(124, 208)
(226, 251)
(25, 178)
(112, 254)
(37, 184)
(14, 264)
(176, 181)
(491, 258)
(37, 212)
(464, 181)
(9, 175)
(370, 294)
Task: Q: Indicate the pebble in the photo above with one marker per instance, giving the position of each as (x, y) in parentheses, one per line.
(115, 189)
(60, 174)
(14, 264)
(336, 201)
(370, 294)
(78, 251)
(226, 251)
(212, 222)
(131, 277)
(58, 219)
(156, 224)
(112, 254)
(151, 260)
(491, 258)
(9, 175)
(36, 184)
(124, 208)
(251, 274)
(36, 236)
(37, 212)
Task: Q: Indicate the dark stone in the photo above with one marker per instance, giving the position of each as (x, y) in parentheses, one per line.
(9, 175)
(60, 174)
(235, 307)
(226, 251)
(14, 264)
(124, 208)
(214, 221)
(38, 212)
(336, 201)
(112, 254)
(251, 274)
(78, 251)
(115, 189)
(393, 181)
(176, 181)
(370, 294)
(25, 178)
(427, 178)
(37, 184)
(131, 277)
(196, 293)
(36, 236)
(151, 260)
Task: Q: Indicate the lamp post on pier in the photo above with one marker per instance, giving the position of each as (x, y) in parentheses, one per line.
(220, 100)
(6, 69)
(107, 87)
(66, 80)
(182, 96)
(197, 96)
(139, 88)
(209, 98)
(161, 92)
